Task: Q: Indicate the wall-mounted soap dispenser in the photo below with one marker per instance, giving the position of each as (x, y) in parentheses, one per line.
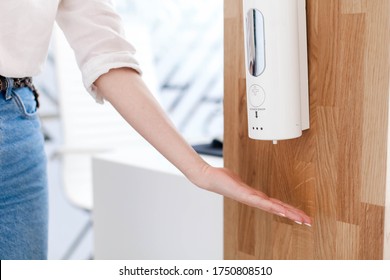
(276, 68)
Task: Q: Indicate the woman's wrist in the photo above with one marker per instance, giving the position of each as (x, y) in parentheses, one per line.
(198, 174)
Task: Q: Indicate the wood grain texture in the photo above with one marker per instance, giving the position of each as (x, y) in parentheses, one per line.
(336, 171)
(375, 113)
(353, 6)
(347, 243)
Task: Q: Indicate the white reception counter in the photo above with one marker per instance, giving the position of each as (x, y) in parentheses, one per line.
(144, 208)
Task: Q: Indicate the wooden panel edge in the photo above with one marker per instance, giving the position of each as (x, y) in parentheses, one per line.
(386, 249)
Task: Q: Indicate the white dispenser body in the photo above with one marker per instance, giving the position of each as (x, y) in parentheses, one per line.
(276, 68)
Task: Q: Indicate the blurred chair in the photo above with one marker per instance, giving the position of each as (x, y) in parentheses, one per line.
(87, 129)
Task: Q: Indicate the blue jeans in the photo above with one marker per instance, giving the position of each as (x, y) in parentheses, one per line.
(23, 182)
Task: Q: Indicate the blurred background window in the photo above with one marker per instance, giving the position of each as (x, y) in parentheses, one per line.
(186, 45)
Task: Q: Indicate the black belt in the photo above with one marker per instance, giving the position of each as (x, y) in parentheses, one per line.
(19, 83)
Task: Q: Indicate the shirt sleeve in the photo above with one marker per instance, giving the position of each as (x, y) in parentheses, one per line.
(95, 32)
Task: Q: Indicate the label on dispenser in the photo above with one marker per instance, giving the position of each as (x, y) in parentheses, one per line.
(256, 95)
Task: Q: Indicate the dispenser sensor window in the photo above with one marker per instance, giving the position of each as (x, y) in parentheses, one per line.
(255, 42)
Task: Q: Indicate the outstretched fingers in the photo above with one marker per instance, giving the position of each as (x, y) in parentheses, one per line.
(295, 214)
(277, 207)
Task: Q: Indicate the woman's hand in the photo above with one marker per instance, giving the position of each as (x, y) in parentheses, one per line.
(228, 184)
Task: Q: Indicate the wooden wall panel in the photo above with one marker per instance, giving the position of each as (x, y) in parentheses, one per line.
(353, 6)
(336, 171)
(375, 110)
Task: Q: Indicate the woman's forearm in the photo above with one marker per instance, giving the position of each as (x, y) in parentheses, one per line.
(126, 91)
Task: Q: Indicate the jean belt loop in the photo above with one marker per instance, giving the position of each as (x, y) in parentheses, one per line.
(10, 85)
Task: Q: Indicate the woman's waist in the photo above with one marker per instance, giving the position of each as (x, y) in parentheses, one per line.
(7, 84)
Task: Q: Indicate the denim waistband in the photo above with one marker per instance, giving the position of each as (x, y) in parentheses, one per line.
(7, 84)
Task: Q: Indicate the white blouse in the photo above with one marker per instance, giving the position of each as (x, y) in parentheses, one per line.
(92, 28)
